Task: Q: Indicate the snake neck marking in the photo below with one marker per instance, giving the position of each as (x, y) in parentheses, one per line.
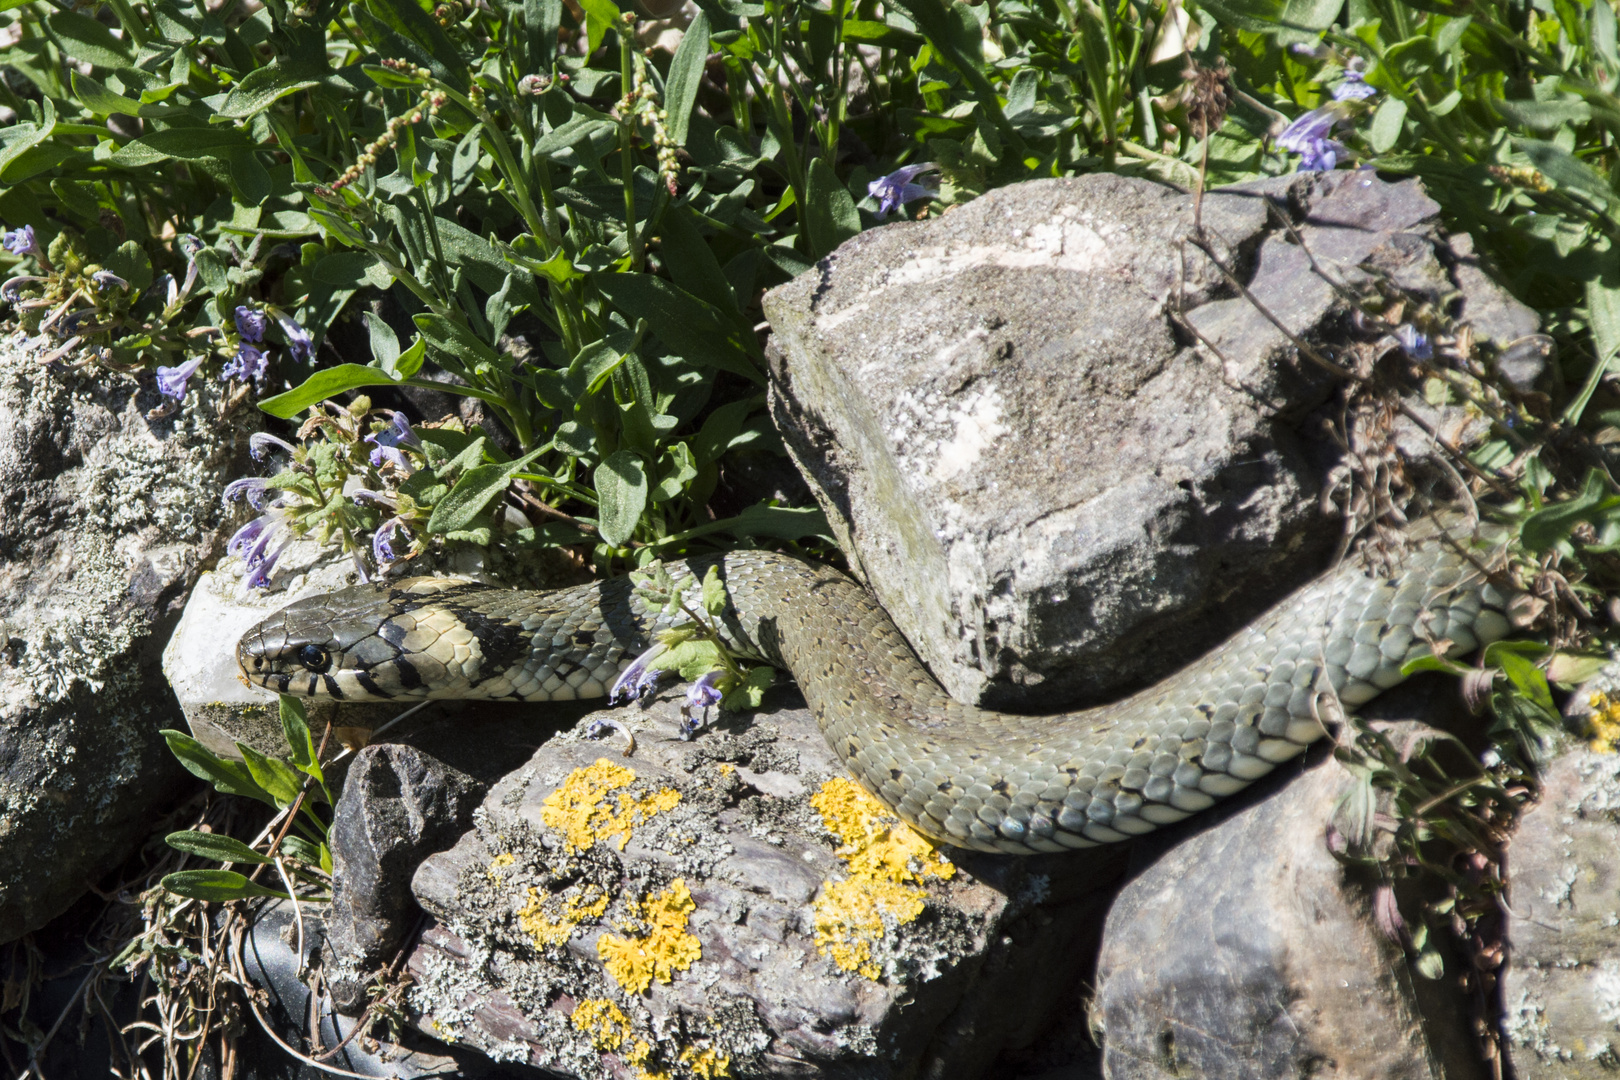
(959, 774)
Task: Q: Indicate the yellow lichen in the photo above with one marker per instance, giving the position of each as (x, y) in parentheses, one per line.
(580, 811)
(602, 1021)
(886, 860)
(547, 930)
(727, 768)
(1603, 724)
(707, 1063)
(637, 1059)
(499, 863)
(666, 948)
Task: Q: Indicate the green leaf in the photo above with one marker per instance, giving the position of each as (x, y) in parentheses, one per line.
(690, 260)
(685, 324)
(751, 691)
(14, 165)
(1385, 130)
(273, 775)
(715, 597)
(300, 744)
(249, 179)
(1526, 678)
(1553, 524)
(263, 87)
(462, 344)
(407, 19)
(88, 40)
(542, 18)
(129, 262)
(830, 216)
(187, 144)
(322, 385)
(1564, 169)
(214, 846)
(100, 100)
(621, 485)
(1429, 963)
(1543, 115)
(229, 777)
(685, 73)
(475, 490)
(600, 17)
(345, 269)
(867, 32)
(216, 885)
(384, 342)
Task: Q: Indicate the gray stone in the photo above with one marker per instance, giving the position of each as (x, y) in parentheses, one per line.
(398, 806)
(512, 965)
(106, 517)
(1055, 493)
(1561, 983)
(1244, 951)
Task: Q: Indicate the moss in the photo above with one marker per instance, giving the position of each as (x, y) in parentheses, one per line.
(667, 947)
(887, 861)
(580, 811)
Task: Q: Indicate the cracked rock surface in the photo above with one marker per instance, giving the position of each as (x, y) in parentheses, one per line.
(1056, 484)
(106, 517)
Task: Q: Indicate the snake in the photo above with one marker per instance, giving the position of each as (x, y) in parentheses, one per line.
(959, 774)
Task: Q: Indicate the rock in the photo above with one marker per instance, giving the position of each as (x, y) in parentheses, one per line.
(200, 660)
(1243, 951)
(398, 806)
(689, 903)
(106, 517)
(1054, 494)
(1561, 984)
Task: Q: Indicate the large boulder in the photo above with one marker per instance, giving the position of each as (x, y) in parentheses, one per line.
(1053, 438)
(107, 515)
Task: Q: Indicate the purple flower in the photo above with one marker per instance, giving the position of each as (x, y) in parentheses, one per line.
(21, 241)
(172, 380)
(388, 444)
(382, 542)
(106, 279)
(255, 489)
(1309, 136)
(1354, 88)
(702, 694)
(251, 324)
(190, 247)
(248, 363)
(897, 189)
(261, 442)
(1414, 342)
(299, 341)
(259, 564)
(639, 679)
(249, 535)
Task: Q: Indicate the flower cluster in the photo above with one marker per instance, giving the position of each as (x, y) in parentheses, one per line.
(642, 102)
(432, 101)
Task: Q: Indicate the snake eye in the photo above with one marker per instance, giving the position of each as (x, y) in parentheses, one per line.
(315, 658)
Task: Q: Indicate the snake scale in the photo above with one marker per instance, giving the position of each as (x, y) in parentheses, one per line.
(959, 774)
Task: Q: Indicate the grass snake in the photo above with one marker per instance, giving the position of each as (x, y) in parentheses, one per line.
(959, 774)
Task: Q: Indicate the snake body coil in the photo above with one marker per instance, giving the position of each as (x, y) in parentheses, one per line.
(962, 775)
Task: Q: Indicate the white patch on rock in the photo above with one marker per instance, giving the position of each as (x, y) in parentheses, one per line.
(977, 424)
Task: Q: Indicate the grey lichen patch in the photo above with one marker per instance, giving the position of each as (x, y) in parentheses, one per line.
(107, 514)
(667, 911)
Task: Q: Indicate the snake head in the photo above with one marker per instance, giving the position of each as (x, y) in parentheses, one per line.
(366, 643)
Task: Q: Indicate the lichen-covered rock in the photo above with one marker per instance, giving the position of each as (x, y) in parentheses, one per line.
(1561, 983)
(1243, 951)
(733, 899)
(106, 517)
(1052, 490)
